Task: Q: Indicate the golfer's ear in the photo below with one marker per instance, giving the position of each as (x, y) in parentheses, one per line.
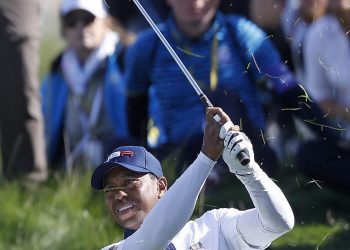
(162, 186)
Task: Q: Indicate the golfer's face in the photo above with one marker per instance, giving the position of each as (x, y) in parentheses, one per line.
(189, 11)
(130, 196)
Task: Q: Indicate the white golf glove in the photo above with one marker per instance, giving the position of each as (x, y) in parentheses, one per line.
(235, 142)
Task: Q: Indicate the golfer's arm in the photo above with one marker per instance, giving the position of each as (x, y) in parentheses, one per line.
(173, 210)
(272, 216)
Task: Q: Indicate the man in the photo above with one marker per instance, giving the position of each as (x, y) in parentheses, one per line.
(21, 122)
(154, 218)
(232, 61)
(296, 19)
(84, 88)
(327, 62)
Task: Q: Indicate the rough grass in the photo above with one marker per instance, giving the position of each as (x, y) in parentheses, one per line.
(65, 213)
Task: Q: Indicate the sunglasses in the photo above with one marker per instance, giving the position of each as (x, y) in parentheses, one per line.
(72, 19)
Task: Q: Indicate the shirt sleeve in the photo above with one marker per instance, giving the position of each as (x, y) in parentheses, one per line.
(272, 215)
(160, 226)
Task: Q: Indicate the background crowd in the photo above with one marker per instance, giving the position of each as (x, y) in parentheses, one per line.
(278, 68)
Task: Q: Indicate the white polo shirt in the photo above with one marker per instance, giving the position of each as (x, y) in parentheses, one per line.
(167, 226)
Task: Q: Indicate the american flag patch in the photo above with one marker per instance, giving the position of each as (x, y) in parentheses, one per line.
(196, 246)
(126, 152)
(119, 153)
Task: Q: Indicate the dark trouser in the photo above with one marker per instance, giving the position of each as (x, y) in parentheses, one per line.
(325, 162)
(21, 122)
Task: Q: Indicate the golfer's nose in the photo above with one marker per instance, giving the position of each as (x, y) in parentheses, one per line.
(120, 194)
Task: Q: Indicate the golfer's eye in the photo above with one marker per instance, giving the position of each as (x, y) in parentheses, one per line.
(108, 190)
(125, 184)
(130, 183)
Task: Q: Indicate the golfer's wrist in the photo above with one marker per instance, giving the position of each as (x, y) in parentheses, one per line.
(204, 159)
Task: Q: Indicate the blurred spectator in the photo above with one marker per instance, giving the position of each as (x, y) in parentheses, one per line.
(83, 98)
(327, 75)
(21, 123)
(232, 61)
(297, 16)
(294, 20)
(267, 14)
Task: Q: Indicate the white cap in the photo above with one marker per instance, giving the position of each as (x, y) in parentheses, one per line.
(95, 7)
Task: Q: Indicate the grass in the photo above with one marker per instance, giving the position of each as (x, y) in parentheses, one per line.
(60, 214)
(65, 213)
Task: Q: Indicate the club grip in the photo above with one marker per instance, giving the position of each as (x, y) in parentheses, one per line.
(243, 158)
(205, 100)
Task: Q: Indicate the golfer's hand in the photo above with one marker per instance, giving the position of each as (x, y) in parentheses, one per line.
(235, 142)
(212, 144)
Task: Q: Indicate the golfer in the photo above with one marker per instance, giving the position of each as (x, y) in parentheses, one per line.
(155, 218)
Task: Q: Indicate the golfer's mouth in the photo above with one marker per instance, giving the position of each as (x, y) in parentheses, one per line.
(124, 209)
